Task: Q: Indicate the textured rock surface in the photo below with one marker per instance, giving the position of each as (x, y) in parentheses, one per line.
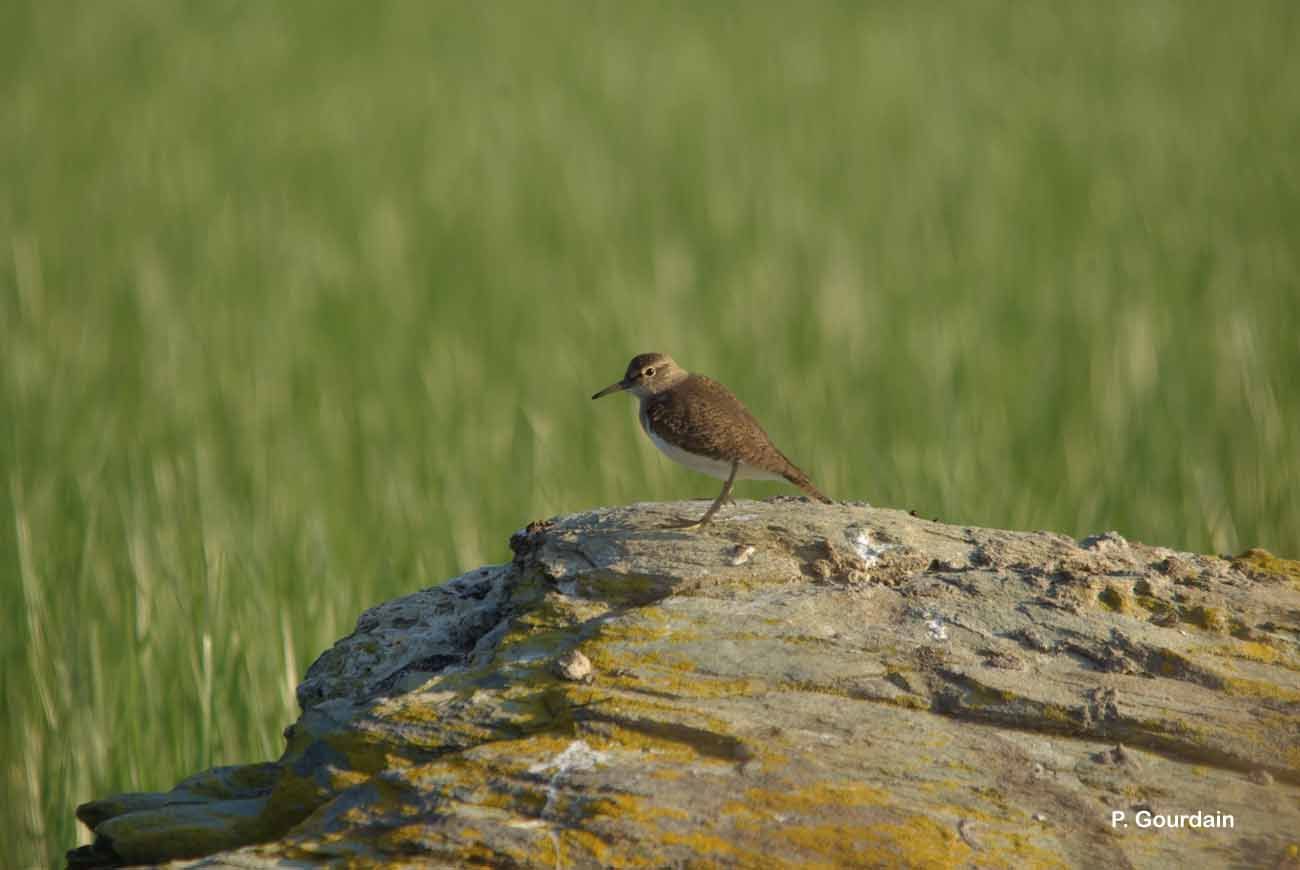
(799, 684)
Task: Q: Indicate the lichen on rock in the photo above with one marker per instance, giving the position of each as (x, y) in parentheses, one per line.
(862, 688)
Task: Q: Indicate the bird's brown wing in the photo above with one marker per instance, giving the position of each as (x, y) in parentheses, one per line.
(705, 418)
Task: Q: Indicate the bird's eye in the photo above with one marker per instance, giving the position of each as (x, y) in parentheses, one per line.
(649, 373)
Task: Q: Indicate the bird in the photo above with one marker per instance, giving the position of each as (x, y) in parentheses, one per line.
(697, 422)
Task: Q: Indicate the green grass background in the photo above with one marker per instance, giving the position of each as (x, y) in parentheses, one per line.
(301, 305)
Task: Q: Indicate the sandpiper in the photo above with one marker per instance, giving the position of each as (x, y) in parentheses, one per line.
(697, 422)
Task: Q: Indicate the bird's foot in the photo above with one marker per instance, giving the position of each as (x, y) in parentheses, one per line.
(683, 525)
(714, 509)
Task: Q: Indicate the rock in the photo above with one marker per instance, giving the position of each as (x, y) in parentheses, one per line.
(574, 666)
(863, 687)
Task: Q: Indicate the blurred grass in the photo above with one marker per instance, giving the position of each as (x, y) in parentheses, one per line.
(301, 304)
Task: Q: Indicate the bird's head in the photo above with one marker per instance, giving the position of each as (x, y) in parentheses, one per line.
(647, 374)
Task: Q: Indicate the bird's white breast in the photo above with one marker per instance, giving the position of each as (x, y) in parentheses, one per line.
(705, 465)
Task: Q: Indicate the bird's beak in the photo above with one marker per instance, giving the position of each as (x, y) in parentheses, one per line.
(612, 388)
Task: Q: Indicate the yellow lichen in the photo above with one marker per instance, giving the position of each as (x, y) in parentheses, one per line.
(1057, 714)
(917, 841)
(1114, 599)
(293, 799)
(1161, 611)
(617, 805)
(624, 588)
(1015, 850)
(1259, 689)
(589, 847)
(813, 799)
(1263, 562)
(666, 672)
(980, 695)
(705, 844)
(1208, 618)
(1254, 650)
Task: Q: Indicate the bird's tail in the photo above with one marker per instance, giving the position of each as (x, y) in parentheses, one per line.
(799, 479)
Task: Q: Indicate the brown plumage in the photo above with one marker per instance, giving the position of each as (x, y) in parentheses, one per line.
(701, 416)
(697, 422)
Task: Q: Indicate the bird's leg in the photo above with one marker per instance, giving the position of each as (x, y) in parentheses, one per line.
(723, 498)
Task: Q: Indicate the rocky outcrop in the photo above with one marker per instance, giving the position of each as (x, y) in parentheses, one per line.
(797, 684)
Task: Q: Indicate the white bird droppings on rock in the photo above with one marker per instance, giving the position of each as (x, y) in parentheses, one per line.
(741, 555)
(868, 550)
(577, 756)
(938, 631)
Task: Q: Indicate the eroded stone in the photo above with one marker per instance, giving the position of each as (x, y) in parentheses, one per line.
(862, 688)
